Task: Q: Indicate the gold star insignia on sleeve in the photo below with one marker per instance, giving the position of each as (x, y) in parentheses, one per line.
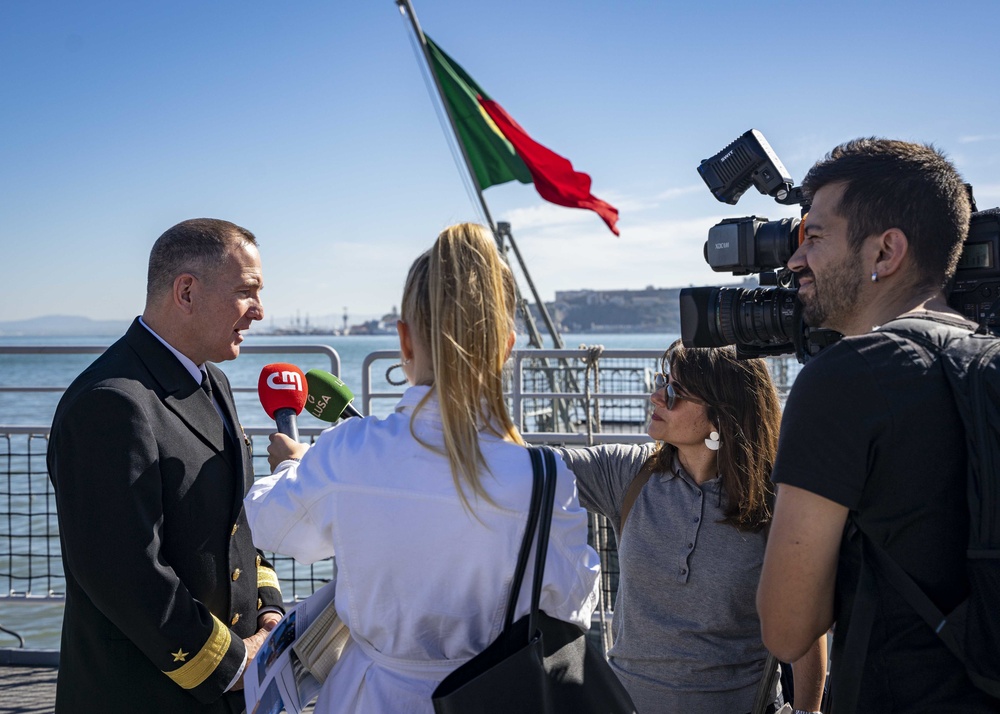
(180, 655)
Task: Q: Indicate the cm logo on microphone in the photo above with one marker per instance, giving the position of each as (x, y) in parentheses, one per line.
(285, 380)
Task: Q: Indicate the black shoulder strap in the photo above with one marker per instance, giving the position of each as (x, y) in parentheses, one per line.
(931, 320)
(544, 525)
(933, 331)
(893, 573)
(846, 685)
(529, 535)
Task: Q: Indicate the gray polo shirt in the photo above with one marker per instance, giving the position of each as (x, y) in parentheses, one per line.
(686, 632)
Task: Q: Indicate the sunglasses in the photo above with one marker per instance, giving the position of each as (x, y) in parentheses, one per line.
(661, 380)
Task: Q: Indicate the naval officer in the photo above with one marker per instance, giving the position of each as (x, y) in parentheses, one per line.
(166, 598)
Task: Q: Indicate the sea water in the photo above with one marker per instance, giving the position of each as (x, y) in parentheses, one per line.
(39, 621)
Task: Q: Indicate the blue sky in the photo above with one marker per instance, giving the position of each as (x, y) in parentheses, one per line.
(311, 124)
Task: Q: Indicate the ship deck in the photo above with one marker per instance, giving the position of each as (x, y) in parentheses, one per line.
(27, 689)
(31, 689)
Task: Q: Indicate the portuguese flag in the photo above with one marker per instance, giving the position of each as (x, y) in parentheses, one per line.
(501, 151)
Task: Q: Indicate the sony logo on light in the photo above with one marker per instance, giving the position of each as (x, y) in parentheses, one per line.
(720, 246)
(288, 380)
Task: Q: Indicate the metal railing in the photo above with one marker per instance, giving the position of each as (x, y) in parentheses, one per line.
(545, 390)
(30, 556)
(568, 397)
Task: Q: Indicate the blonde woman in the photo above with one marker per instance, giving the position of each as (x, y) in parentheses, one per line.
(425, 509)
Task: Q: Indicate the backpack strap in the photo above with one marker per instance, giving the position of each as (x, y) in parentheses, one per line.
(846, 685)
(893, 573)
(638, 481)
(934, 332)
(932, 321)
(845, 682)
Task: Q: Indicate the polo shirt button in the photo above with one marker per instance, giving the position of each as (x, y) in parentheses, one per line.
(236, 618)
(236, 574)
(696, 519)
(690, 545)
(683, 572)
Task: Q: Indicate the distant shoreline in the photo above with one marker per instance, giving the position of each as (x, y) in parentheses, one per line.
(112, 331)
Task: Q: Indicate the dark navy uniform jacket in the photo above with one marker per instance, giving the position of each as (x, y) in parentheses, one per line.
(162, 579)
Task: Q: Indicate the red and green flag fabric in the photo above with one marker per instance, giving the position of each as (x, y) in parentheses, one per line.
(501, 151)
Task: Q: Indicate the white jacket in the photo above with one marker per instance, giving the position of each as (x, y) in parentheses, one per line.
(421, 582)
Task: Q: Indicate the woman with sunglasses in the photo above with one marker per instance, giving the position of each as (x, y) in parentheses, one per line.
(697, 504)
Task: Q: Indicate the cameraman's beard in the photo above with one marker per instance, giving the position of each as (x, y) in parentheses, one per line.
(834, 297)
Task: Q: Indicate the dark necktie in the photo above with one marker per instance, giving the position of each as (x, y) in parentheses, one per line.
(206, 386)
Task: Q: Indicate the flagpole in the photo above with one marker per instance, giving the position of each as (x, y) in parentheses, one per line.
(504, 230)
(534, 338)
(407, 9)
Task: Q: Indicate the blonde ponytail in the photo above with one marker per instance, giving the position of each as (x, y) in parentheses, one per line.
(459, 303)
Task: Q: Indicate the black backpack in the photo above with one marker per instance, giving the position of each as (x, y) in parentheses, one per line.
(971, 361)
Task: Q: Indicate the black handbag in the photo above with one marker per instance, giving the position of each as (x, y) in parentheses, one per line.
(539, 663)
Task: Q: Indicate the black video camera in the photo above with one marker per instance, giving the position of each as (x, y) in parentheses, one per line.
(768, 320)
(975, 291)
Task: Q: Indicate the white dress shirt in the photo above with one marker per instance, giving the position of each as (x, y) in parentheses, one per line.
(422, 583)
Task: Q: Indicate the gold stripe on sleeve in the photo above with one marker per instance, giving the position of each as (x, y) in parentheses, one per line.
(201, 666)
(267, 578)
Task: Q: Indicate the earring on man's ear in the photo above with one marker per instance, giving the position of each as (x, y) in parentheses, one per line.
(712, 442)
(874, 276)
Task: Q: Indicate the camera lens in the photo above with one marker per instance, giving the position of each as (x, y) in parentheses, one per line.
(776, 241)
(763, 318)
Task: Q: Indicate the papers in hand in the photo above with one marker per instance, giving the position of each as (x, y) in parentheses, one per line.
(319, 647)
(297, 656)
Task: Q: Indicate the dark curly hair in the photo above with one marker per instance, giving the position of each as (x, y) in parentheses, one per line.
(743, 403)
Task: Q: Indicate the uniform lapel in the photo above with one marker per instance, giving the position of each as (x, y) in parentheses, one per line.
(181, 394)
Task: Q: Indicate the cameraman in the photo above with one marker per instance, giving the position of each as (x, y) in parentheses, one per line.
(871, 431)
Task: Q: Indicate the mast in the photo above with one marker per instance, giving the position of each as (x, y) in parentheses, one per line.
(407, 9)
(534, 338)
(557, 342)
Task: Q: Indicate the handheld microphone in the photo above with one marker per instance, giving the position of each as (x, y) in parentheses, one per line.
(329, 398)
(282, 393)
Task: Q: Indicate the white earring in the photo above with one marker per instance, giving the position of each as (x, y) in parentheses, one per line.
(874, 276)
(712, 442)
